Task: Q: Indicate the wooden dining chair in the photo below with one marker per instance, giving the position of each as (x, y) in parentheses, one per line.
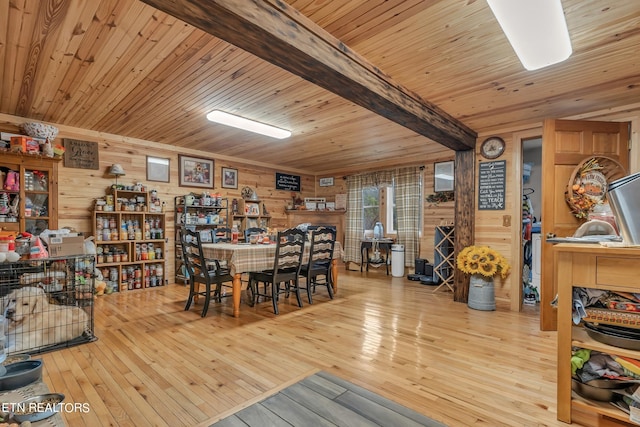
(318, 267)
(202, 270)
(253, 230)
(286, 270)
(221, 235)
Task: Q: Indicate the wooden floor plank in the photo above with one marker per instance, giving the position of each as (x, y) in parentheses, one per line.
(258, 415)
(373, 399)
(392, 337)
(329, 409)
(294, 413)
(231, 421)
(323, 386)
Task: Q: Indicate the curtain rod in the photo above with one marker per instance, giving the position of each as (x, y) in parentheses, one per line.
(420, 167)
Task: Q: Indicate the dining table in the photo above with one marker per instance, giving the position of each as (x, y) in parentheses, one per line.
(246, 257)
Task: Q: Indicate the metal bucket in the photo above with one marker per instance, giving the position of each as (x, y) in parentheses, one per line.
(481, 293)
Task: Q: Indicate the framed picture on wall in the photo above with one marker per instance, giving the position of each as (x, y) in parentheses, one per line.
(326, 182)
(443, 176)
(157, 169)
(195, 172)
(229, 178)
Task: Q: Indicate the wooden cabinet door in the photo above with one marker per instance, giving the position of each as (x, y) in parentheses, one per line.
(566, 143)
(37, 192)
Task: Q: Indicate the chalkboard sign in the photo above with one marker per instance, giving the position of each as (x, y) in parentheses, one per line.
(81, 154)
(491, 187)
(287, 182)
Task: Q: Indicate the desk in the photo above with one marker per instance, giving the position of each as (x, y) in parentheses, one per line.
(243, 258)
(382, 244)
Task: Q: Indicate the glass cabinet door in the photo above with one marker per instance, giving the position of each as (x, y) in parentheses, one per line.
(37, 206)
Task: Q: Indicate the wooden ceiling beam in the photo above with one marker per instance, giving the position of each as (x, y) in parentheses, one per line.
(279, 34)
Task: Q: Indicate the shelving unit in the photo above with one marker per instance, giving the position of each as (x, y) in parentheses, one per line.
(202, 213)
(444, 257)
(36, 193)
(589, 266)
(130, 242)
(251, 213)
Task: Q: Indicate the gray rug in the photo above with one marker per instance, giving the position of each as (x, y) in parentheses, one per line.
(326, 400)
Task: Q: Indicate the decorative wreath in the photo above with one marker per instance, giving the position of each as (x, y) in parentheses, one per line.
(246, 193)
(588, 184)
(441, 196)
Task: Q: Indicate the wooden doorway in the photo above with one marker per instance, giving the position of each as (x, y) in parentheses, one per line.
(566, 143)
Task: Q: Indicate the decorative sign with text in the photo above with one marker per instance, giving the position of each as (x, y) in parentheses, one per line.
(81, 154)
(287, 182)
(491, 186)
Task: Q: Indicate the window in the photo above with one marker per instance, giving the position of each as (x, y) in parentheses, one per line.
(370, 207)
(378, 204)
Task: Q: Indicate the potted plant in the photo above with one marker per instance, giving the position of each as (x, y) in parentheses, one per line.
(483, 264)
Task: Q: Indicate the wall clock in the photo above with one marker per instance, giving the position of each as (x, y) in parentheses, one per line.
(492, 147)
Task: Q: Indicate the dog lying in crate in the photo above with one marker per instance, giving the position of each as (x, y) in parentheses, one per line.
(34, 323)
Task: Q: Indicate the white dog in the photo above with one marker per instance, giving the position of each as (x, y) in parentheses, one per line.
(34, 323)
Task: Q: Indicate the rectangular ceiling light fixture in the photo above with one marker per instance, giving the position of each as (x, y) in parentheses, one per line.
(536, 29)
(246, 124)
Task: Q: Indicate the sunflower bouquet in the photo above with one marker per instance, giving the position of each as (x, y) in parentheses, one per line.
(482, 260)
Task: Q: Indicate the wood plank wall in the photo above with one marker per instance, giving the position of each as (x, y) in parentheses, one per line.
(434, 214)
(80, 187)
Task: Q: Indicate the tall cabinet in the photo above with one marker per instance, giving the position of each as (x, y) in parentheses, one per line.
(594, 267)
(29, 197)
(130, 242)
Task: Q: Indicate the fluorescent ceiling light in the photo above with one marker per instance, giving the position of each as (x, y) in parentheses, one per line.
(246, 124)
(536, 30)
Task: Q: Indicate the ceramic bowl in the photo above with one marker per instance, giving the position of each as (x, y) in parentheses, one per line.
(40, 130)
(20, 374)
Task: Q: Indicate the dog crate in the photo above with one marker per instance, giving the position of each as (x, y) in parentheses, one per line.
(48, 303)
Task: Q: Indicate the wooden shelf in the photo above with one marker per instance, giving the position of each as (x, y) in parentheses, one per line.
(115, 273)
(246, 219)
(601, 408)
(593, 267)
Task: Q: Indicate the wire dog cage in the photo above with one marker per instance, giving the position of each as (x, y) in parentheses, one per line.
(47, 303)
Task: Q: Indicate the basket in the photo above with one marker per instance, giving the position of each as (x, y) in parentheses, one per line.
(39, 130)
(587, 186)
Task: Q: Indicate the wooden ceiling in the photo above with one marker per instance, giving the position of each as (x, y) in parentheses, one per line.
(126, 68)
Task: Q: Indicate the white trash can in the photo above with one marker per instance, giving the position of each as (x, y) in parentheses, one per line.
(397, 260)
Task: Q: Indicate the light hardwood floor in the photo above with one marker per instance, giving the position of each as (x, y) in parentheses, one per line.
(157, 365)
